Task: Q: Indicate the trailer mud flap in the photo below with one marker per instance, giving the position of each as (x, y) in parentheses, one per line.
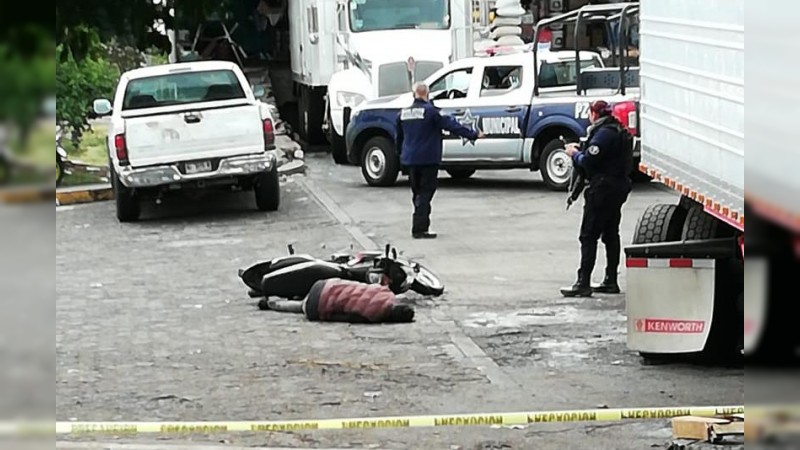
(671, 290)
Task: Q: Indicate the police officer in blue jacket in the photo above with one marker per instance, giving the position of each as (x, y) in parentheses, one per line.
(607, 164)
(419, 138)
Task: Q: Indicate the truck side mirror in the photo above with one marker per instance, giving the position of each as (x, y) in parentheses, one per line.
(102, 107)
(259, 91)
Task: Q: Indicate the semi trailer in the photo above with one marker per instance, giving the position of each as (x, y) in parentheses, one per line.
(685, 267)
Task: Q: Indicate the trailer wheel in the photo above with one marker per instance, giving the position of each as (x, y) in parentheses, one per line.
(659, 223)
(699, 225)
(311, 113)
(338, 144)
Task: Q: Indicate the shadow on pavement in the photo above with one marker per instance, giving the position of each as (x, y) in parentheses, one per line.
(221, 206)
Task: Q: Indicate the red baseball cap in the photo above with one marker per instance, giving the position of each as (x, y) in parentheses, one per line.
(600, 107)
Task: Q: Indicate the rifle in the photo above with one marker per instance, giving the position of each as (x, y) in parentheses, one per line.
(577, 181)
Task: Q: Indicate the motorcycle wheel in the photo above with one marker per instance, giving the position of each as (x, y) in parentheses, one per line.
(426, 283)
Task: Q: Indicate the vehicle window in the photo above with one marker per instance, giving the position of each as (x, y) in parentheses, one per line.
(394, 78)
(373, 15)
(500, 79)
(456, 82)
(182, 88)
(562, 73)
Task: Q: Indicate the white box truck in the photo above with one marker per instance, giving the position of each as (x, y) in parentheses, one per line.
(347, 51)
(685, 289)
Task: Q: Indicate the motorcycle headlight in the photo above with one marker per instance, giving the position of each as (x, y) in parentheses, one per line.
(350, 99)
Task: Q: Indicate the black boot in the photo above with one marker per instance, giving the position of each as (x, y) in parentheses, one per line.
(608, 286)
(581, 288)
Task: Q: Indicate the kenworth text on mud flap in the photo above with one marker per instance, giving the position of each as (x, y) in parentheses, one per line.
(685, 289)
(189, 126)
(524, 102)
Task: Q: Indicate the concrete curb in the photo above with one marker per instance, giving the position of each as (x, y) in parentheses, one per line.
(84, 194)
(31, 194)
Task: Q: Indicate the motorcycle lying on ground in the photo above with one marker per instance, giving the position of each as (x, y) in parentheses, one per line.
(292, 276)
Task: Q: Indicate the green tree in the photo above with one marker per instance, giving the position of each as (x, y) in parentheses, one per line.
(27, 66)
(130, 22)
(80, 82)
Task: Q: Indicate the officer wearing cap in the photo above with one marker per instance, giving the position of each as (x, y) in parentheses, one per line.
(419, 139)
(607, 165)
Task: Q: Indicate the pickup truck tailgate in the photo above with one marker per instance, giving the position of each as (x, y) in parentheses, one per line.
(194, 134)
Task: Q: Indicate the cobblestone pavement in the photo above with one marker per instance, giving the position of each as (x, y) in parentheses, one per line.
(154, 324)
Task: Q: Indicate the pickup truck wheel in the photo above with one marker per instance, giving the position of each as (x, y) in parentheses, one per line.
(267, 189)
(461, 174)
(128, 208)
(379, 162)
(660, 223)
(555, 166)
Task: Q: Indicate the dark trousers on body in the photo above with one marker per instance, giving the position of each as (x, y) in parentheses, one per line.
(602, 214)
(424, 181)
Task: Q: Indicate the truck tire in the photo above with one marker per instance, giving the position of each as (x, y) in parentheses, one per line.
(338, 144)
(555, 164)
(267, 189)
(699, 226)
(127, 202)
(380, 165)
(460, 174)
(659, 223)
(310, 115)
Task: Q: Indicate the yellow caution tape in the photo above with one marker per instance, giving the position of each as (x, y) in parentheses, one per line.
(451, 420)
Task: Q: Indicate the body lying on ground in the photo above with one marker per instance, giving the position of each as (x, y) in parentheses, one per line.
(337, 300)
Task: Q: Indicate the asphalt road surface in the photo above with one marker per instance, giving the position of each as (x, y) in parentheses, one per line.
(154, 324)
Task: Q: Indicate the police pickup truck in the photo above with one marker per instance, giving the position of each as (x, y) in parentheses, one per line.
(522, 117)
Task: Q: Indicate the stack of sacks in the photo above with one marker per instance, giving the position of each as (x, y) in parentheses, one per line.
(507, 25)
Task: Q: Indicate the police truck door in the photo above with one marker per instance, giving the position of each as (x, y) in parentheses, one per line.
(449, 93)
(500, 105)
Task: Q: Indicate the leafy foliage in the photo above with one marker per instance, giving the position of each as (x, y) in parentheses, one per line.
(26, 79)
(80, 82)
(130, 22)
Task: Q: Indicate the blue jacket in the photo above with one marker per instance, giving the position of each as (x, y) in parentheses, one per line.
(604, 152)
(419, 134)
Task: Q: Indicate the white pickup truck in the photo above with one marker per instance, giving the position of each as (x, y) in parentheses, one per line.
(188, 126)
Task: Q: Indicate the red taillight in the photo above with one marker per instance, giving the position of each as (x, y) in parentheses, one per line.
(122, 149)
(627, 114)
(269, 133)
(636, 262)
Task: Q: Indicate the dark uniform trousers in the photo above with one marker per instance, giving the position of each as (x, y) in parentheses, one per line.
(424, 181)
(602, 214)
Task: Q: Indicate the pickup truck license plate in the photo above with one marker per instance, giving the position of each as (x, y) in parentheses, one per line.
(198, 167)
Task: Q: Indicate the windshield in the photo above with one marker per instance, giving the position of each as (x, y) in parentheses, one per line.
(395, 79)
(182, 88)
(375, 15)
(562, 73)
